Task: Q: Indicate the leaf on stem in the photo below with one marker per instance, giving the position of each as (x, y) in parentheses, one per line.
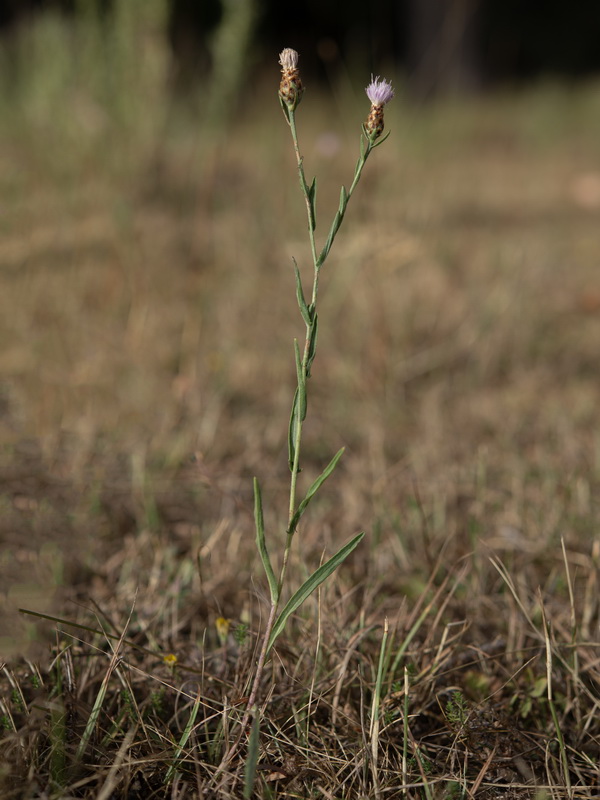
(292, 432)
(309, 586)
(314, 488)
(312, 202)
(343, 200)
(285, 109)
(302, 402)
(262, 544)
(335, 226)
(300, 295)
(312, 344)
(379, 142)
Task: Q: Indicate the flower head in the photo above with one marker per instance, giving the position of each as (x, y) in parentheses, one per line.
(290, 88)
(288, 58)
(379, 91)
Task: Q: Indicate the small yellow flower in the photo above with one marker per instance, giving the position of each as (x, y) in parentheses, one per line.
(170, 659)
(222, 626)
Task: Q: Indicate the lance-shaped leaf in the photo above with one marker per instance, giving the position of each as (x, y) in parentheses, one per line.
(300, 295)
(312, 343)
(292, 429)
(380, 141)
(312, 204)
(337, 221)
(302, 401)
(309, 586)
(285, 110)
(314, 488)
(262, 544)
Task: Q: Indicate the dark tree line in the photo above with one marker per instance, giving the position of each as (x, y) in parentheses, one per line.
(441, 44)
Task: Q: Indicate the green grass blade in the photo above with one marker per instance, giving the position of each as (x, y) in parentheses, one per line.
(310, 584)
(252, 757)
(183, 740)
(262, 544)
(314, 489)
(93, 717)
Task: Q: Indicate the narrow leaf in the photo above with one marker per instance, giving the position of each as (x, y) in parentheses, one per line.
(312, 200)
(183, 740)
(252, 757)
(301, 383)
(335, 226)
(261, 542)
(312, 344)
(380, 141)
(343, 200)
(300, 295)
(292, 431)
(314, 489)
(285, 110)
(309, 586)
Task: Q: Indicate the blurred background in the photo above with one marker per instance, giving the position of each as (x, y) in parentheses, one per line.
(149, 210)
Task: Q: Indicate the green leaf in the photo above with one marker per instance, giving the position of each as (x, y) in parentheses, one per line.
(285, 109)
(262, 544)
(380, 141)
(292, 431)
(183, 739)
(309, 586)
(312, 201)
(312, 344)
(314, 489)
(252, 757)
(343, 201)
(335, 225)
(300, 295)
(302, 402)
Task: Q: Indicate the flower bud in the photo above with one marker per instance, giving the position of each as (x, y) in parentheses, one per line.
(290, 88)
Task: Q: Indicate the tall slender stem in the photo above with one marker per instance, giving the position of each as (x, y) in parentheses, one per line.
(305, 356)
(290, 93)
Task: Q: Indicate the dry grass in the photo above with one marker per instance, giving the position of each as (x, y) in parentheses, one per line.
(146, 319)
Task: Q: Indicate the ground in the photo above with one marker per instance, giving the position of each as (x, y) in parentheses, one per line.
(147, 320)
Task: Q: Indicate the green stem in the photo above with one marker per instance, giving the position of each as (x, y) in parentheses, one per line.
(303, 371)
(305, 355)
(302, 377)
(304, 185)
(315, 289)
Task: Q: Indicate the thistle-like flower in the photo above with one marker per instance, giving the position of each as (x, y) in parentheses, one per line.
(379, 92)
(290, 88)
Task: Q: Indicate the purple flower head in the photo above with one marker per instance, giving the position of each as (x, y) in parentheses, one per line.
(379, 91)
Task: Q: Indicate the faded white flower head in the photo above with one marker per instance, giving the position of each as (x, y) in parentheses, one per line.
(288, 58)
(290, 87)
(379, 91)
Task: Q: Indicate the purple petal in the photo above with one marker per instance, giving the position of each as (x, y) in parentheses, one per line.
(379, 91)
